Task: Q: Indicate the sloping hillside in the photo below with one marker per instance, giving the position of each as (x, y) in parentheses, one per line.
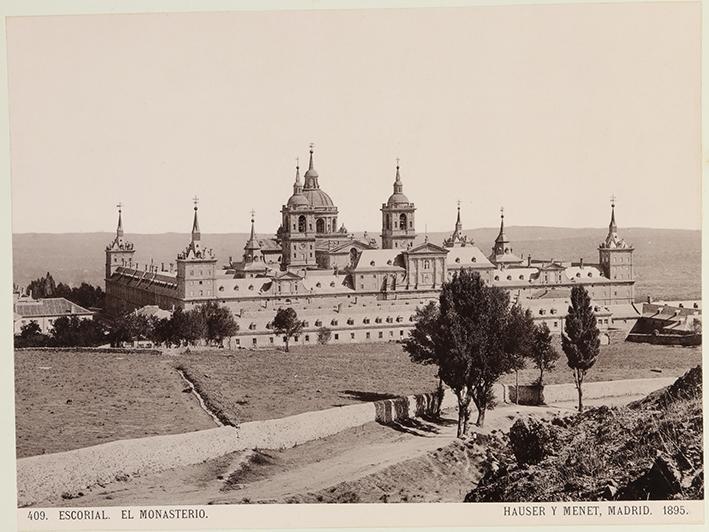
(651, 449)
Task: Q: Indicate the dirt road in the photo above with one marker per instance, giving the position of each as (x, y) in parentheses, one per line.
(266, 475)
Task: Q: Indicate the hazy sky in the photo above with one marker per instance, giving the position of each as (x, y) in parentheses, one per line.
(547, 110)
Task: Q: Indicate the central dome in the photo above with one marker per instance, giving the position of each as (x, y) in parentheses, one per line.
(397, 198)
(318, 198)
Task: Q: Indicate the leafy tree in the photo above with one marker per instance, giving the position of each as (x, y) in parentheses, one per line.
(287, 323)
(324, 335)
(220, 322)
(65, 331)
(195, 326)
(518, 339)
(580, 340)
(422, 349)
(31, 336)
(544, 355)
(163, 332)
(131, 327)
(466, 338)
(30, 329)
(85, 295)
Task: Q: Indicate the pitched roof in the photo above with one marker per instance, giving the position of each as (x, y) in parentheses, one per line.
(52, 306)
(378, 259)
(468, 256)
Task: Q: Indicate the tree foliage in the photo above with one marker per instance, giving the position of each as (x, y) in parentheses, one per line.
(324, 335)
(467, 337)
(71, 331)
(286, 322)
(543, 353)
(85, 295)
(580, 340)
(219, 321)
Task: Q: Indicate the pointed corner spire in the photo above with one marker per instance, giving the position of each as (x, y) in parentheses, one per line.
(195, 224)
(398, 185)
(298, 185)
(119, 227)
(311, 175)
(457, 221)
(612, 227)
(501, 237)
(252, 224)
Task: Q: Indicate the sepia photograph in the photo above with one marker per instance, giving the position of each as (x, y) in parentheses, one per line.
(332, 257)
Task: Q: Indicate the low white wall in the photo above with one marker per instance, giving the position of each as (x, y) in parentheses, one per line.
(48, 476)
(560, 393)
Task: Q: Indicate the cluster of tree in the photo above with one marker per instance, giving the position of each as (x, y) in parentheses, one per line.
(67, 331)
(85, 295)
(475, 336)
(209, 322)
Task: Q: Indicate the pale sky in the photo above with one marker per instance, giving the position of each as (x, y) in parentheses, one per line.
(547, 110)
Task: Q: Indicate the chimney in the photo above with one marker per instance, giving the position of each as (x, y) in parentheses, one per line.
(162, 266)
(230, 261)
(529, 260)
(581, 263)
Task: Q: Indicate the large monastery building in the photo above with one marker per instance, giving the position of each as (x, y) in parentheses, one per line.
(360, 290)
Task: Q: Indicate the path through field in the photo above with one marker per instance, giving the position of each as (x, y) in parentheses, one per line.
(272, 475)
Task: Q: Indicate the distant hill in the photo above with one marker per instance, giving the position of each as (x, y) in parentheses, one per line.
(667, 261)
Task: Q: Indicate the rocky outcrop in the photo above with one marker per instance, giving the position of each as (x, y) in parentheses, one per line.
(651, 449)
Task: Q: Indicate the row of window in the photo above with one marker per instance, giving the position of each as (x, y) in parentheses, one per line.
(307, 338)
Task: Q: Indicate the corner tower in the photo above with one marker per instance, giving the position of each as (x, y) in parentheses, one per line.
(614, 254)
(119, 252)
(196, 267)
(398, 222)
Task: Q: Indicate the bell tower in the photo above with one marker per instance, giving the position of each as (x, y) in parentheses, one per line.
(119, 252)
(614, 254)
(196, 267)
(398, 222)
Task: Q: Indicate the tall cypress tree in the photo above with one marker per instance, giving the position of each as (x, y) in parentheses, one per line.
(580, 340)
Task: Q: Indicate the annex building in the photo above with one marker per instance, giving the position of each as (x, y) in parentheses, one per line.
(362, 289)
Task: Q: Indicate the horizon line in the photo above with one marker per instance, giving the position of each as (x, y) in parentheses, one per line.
(422, 233)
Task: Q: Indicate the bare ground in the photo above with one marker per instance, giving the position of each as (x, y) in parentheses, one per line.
(419, 461)
(66, 400)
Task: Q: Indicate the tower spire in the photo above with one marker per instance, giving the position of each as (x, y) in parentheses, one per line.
(298, 185)
(195, 224)
(311, 175)
(612, 227)
(458, 224)
(501, 237)
(119, 227)
(398, 185)
(252, 224)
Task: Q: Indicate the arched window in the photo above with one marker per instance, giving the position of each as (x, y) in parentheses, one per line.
(353, 256)
(301, 224)
(320, 225)
(402, 220)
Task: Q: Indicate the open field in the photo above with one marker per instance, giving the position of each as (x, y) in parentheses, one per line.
(621, 360)
(83, 399)
(66, 400)
(252, 385)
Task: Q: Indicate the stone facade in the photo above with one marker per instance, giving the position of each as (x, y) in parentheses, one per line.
(359, 290)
